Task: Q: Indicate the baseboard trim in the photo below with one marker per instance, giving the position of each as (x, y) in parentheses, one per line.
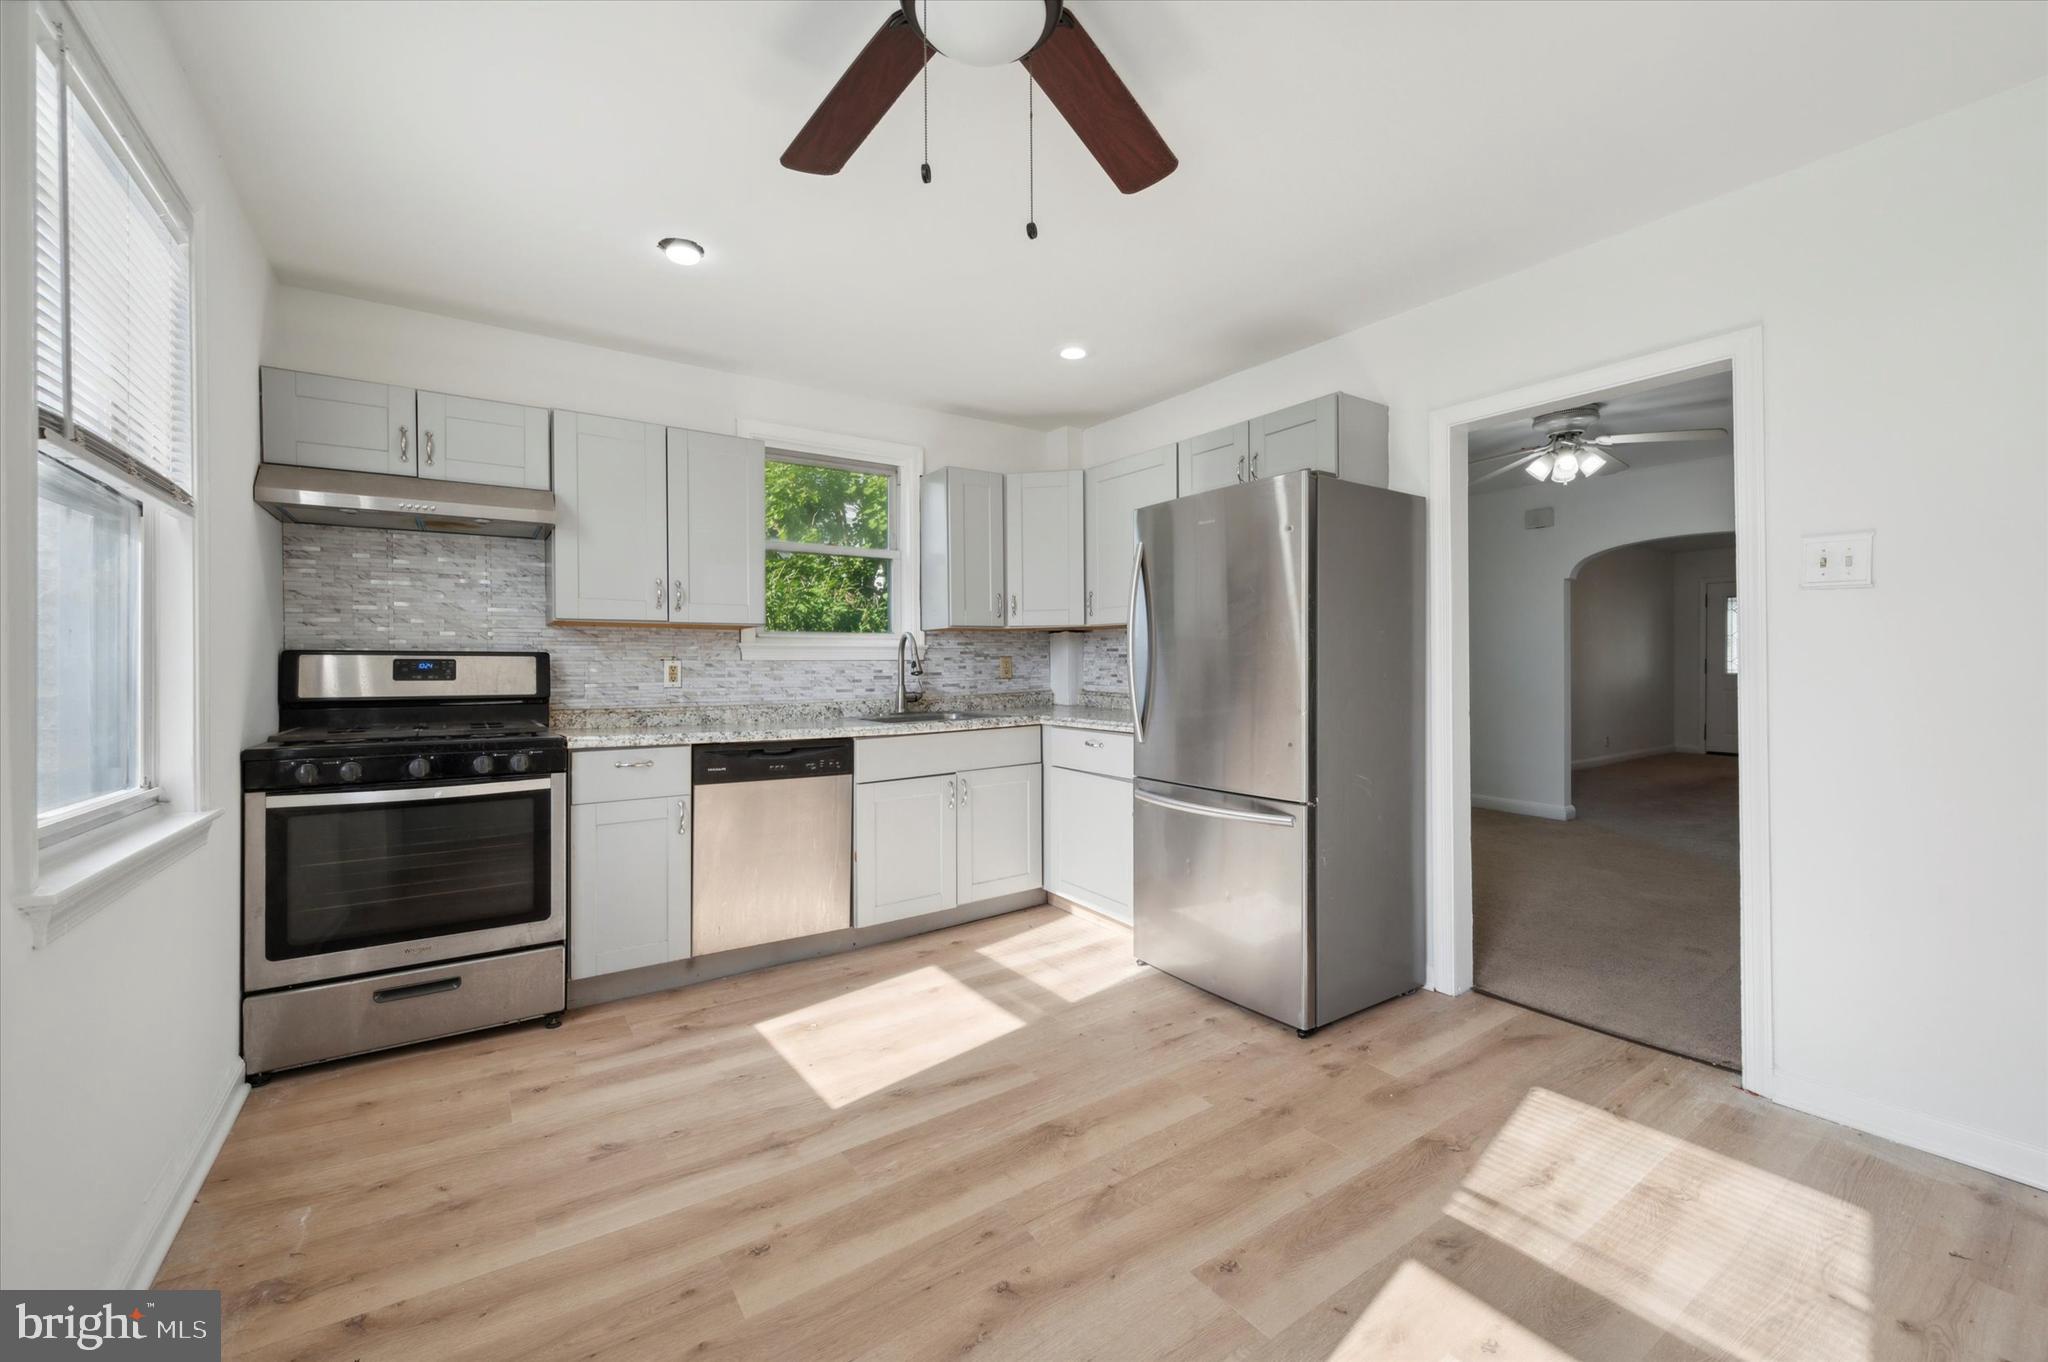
(166, 1215)
(1612, 758)
(1080, 909)
(1984, 1149)
(1561, 813)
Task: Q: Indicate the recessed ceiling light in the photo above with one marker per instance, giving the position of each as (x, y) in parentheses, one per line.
(1073, 352)
(681, 250)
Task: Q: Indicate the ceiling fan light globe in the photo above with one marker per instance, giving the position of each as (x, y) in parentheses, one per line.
(1539, 468)
(982, 32)
(1564, 468)
(1591, 462)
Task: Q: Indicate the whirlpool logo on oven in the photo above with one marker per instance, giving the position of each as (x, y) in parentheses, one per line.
(170, 1326)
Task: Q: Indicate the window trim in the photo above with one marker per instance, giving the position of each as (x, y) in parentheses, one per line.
(826, 447)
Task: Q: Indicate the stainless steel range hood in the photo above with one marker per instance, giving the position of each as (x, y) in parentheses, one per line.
(385, 501)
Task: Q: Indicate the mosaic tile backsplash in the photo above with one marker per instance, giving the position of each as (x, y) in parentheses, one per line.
(396, 589)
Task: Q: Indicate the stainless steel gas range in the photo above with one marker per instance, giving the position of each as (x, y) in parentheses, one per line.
(405, 855)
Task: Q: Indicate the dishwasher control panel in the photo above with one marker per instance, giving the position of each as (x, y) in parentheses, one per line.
(723, 763)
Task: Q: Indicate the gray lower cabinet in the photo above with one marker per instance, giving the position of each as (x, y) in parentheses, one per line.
(629, 900)
(1001, 845)
(1088, 848)
(905, 848)
(945, 819)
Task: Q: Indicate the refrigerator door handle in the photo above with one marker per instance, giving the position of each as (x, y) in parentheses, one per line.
(1140, 640)
(1278, 820)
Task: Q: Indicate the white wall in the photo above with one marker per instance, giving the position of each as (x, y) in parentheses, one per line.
(1690, 572)
(328, 333)
(1621, 656)
(1899, 287)
(119, 1042)
(1521, 612)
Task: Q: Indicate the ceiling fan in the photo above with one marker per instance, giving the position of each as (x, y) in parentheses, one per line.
(1571, 451)
(1043, 35)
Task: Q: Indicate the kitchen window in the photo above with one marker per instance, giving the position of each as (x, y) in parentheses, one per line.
(114, 471)
(841, 563)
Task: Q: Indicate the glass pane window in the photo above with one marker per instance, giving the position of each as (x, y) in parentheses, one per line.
(113, 282)
(88, 639)
(828, 593)
(823, 504)
(1730, 625)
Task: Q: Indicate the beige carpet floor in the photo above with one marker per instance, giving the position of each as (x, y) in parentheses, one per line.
(1624, 919)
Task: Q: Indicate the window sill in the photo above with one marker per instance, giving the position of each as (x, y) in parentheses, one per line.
(759, 647)
(82, 876)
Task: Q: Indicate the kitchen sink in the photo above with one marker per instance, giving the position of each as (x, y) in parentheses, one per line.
(921, 716)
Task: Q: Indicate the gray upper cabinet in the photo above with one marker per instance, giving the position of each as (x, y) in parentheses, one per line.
(466, 439)
(1043, 541)
(1113, 493)
(717, 531)
(608, 556)
(1336, 433)
(1217, 459)
(962, 551)
(320, 422)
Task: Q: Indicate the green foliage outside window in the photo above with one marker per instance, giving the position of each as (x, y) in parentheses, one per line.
(824, 592)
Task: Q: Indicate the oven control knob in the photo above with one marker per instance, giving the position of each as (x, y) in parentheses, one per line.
(305, 773)
(481, 763)
(418, 768)
(351, 771)
(521, 761)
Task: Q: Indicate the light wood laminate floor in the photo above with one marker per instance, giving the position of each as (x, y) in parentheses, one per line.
(1005, 1140)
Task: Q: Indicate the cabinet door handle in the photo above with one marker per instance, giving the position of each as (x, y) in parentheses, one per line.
(675, 594)
(404, 445)
(1240, 468)
(682, 818)
(657, 593)
(427, 446)
(1091, 602)
(1255, 465)
(632, 765)
(965, 791)
(949, 794)
(1013, 607)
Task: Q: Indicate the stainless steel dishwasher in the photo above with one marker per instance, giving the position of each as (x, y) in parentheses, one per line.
(772, 857)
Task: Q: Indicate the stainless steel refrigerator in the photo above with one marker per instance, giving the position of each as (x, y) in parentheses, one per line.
(1276, 633)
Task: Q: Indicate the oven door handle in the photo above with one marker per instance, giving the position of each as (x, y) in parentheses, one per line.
(417, 794)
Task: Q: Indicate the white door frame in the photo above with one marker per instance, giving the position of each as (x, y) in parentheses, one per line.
(1449, 818)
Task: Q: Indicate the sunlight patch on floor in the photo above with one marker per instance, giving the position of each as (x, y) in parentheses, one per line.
(1065, 958)
(856, 1045)
(1420, 1315)
(1738, 1259)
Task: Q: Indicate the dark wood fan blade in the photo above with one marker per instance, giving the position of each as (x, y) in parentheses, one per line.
(1093, 99)
(877, 78)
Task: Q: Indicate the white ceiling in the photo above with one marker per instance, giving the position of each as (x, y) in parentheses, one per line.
(1339, 163)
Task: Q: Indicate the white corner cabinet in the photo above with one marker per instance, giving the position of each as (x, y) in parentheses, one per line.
(1088, 838)
(655, 525)
(1113, 494)
(1001, 550)
(945, 819)
(629, 859)
(317, 421)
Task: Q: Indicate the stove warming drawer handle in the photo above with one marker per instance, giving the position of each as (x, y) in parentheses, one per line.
(418, 794)
(399, 995)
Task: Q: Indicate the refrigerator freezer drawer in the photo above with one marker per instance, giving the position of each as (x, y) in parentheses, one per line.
(1221, 896)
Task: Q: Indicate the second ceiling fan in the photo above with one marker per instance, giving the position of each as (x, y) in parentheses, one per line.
(1570, 450)
(1042, 35)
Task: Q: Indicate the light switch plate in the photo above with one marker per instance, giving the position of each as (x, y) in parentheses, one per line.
(1836, 560)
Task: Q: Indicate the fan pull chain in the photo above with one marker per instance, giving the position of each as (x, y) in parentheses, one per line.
(925, 171)
(1030, 158)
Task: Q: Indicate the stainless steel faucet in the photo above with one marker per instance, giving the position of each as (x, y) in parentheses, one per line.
(916, 669)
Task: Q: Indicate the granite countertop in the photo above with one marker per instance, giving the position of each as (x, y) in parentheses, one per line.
(589, 731)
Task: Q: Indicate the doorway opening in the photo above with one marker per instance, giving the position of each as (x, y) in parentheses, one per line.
(1605, 662)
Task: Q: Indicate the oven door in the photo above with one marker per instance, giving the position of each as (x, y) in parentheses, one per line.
(343, 882)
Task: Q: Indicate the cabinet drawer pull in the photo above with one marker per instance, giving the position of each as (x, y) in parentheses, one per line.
(1091, 742)
(431, 986)
(632, 765)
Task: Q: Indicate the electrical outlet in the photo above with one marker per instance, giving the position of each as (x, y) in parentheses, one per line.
(671, 672)
(1006, 667)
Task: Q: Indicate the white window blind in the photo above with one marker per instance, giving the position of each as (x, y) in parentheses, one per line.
(113, 279)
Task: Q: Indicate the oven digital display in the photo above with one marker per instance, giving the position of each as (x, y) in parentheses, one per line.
(423, 669)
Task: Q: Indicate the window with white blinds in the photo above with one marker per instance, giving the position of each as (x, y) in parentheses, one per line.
(113, 279)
